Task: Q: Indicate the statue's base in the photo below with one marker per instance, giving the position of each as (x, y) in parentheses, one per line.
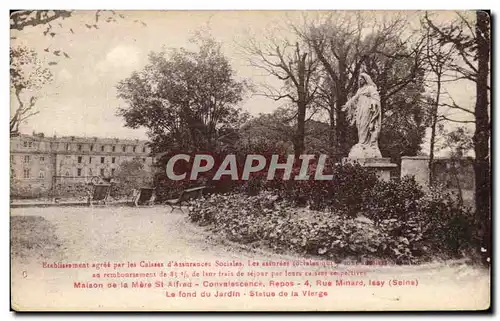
(382, 166)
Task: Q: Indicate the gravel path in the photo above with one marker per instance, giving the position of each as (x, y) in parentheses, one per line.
(123, 234)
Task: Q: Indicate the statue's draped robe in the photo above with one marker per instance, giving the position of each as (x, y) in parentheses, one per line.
(368, 116)
(364, 110)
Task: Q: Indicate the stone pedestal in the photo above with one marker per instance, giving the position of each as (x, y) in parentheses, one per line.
(382, 166)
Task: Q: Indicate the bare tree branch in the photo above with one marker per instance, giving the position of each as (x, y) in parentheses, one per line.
(22, 19)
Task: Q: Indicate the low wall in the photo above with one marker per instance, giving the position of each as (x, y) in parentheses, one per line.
(447, 172)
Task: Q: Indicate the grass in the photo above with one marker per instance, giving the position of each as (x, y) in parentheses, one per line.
(32, 237)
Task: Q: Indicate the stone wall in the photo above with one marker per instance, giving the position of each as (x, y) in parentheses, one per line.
(447, 172)
(416, 166)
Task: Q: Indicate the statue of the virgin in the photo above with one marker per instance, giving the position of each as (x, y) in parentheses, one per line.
(363, 109)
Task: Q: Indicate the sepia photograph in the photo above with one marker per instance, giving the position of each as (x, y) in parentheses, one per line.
(300, 160)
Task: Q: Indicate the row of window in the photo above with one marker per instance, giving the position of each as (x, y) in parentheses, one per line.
(67, 147)
(27, 174)
(113, 148)
(103, 158)
(27, 159)
(79, 172)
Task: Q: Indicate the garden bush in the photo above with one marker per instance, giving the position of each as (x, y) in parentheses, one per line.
(395, 199)
(445, 223)
(343, 192)
(404, 227)
(265, 217)
(353, 215)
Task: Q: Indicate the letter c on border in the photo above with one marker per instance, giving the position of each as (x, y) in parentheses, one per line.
(170, 167)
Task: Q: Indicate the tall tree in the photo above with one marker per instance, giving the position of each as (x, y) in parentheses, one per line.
(295, 65)
(473, 45)
(437, 57)
(273, 133)
(187, 100)
(27, 74)
(397, 69)
(342, 47)
(326, 100)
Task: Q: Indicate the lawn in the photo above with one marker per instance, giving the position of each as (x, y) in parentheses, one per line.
(32, 237)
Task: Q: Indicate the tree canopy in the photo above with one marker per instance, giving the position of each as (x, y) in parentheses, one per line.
(186, 99)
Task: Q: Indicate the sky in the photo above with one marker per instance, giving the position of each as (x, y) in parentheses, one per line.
(82, 100)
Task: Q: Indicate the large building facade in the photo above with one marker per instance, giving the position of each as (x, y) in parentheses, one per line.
(38, 161)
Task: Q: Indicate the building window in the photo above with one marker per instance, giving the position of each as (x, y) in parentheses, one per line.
(90, 171)
(143, 160)
(92, 147)
(124, 148)
(102, 171)
(79, 172)
(26, 159)
(41, 174)
(90, 160)
(113, 160)
(102, 160)
(144, 149)
(28, 144)
(112, 171)
(42, 159)
(102, 148)
(79, 147)
(79, 159)
(26, 173)
(133, 149)
(113, 148)
(67, 173)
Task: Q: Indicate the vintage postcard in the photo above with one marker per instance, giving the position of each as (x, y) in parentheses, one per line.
(250, 160)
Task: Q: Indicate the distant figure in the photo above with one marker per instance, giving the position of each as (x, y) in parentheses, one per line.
(363, 109)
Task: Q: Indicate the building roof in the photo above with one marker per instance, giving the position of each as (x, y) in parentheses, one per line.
(79, 139)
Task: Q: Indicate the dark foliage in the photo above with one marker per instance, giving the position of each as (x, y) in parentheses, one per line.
(351, 216)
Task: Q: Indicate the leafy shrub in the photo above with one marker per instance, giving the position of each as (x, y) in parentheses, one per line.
(450, 228)
(71, 190)
(18, 190)
(435, 226)
(399, 221)
(342, 193)
(129, 176)
(395, 199)
(350, 183)
(268, 218)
